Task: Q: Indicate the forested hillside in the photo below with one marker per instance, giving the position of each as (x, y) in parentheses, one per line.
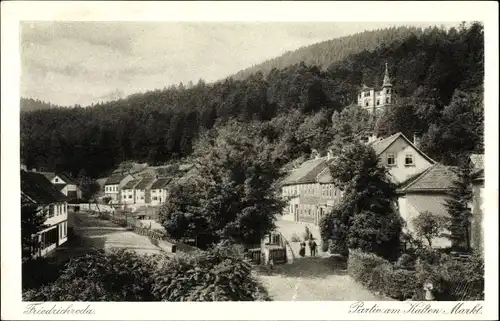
(30, 104)
(323, 54)
(437, 74)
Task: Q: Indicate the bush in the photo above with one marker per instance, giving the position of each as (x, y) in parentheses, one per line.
(295, 238)
(40, 271)
(360, 266)
(406, 261)
(337, 246)
(220, 274)
(401, 284)
(104, 216)
(378, 275)
(325, 245)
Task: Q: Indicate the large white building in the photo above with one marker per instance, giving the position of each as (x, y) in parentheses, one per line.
(38, 191)
(376, 100)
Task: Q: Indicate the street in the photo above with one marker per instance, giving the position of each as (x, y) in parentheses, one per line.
(93, 233)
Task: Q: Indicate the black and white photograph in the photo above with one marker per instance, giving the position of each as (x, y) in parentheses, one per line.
(203, 161)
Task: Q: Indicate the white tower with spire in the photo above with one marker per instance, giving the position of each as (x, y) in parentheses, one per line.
(377, 99)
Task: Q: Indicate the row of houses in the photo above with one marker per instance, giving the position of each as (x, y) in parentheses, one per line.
(146, 187)
(423, 185)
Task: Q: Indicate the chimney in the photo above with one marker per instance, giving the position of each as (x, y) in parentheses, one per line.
(416, 140)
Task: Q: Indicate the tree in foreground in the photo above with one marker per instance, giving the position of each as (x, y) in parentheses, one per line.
(220, 274)
(32, 222)
(457, 204)
(429, 226)
(234, 194)
(366, 218)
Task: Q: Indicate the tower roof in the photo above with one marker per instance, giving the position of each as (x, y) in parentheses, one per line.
(387, 80)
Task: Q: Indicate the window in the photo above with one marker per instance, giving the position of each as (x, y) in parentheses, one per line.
(142, 197)
(130, 196)
(56, 180)
(387, 100)
(155, 198)
(409, 159)
(366, 103)
(378, 102)
(51, 210)
(388, 91)
(391, 159)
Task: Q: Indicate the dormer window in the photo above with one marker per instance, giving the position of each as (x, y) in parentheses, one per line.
(391, 159)
(409, 160)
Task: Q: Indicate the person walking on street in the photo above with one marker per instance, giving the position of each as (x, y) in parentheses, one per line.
(312, 246)
(302, 251)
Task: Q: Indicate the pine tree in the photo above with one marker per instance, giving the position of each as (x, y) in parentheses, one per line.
(460, 196)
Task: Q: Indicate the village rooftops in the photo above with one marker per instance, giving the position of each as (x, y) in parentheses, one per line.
(161, 183)
(131, 184)
(115, 179)
(144, 183)
(380, 145)
(306, 173)
(436, 178)
(37, 188)
(65, 177)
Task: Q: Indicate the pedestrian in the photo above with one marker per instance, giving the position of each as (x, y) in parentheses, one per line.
(302, 251)
(313, 246)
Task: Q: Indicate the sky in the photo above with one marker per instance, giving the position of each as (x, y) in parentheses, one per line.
(68, 63)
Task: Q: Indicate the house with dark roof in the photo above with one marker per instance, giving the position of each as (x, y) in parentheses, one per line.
(310, 191)
(64, 183)
(159, 191)
(143, 192)
(429, 190)
(113, 185)
(38, 191)
(426, 192)
(310, 187)
(128, 192)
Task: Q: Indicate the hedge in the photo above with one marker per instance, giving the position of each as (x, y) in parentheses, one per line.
(452, 278)
(379, 275)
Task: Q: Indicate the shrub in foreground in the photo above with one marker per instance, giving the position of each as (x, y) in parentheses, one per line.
(220, 274)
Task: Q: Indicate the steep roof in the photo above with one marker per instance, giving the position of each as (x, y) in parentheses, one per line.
(144, 182)
(382, 144)
(435, 178)
(160, 183)
(67, 178)
(193, 172)
(59, 186)
(39, 189)
(49, 175)
(115, 179)
(306, 173)
(131, 184)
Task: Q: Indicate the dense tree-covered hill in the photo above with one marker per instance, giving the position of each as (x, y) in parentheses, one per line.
(30, 104)
(323, 54)
(437, 72)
